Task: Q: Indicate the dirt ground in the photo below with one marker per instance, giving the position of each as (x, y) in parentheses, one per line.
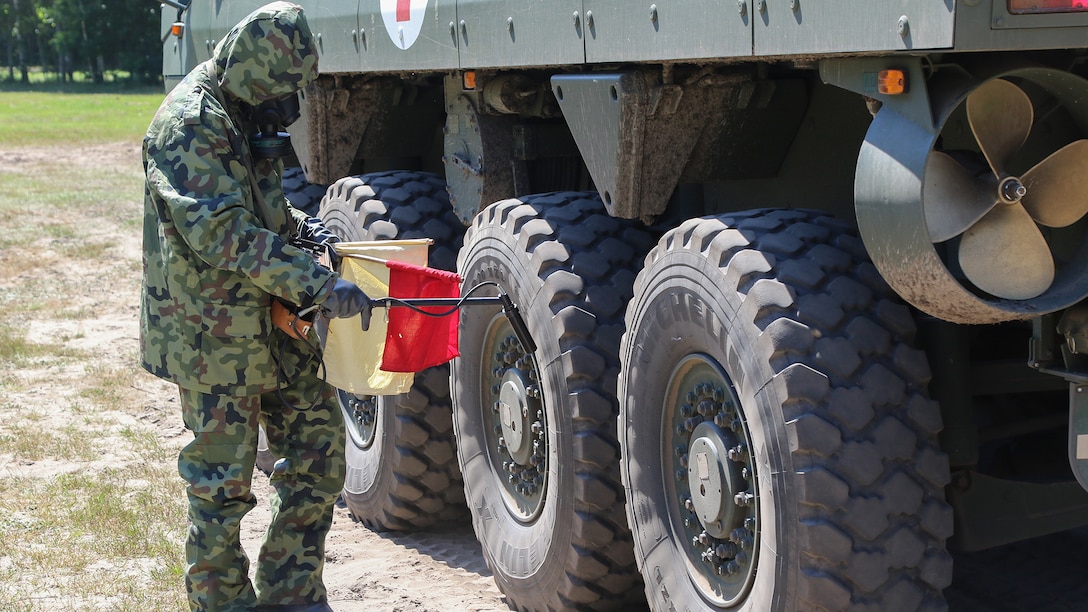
(435, 571)
(440, 570)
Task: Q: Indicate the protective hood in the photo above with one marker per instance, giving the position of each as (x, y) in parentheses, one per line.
(269, 54)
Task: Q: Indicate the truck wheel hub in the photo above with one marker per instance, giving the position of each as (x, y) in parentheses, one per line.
(517, 431)
(514, 416)
(713, 479)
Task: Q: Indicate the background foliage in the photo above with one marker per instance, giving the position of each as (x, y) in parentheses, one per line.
(67, 39)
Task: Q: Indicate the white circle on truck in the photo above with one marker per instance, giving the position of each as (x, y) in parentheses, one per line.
(403, 20)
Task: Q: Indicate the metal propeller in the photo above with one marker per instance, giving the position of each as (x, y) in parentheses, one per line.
(1002, 250)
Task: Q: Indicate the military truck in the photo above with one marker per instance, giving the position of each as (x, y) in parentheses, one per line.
(806, 282)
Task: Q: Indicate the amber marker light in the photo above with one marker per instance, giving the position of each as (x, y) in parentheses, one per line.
(468, 79)
(891, 82)
(177, 29)
(1017, 7)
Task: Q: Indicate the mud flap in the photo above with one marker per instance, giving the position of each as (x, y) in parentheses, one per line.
(1078, 432)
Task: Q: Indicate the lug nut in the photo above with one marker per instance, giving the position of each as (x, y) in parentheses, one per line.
(726, 550)
(737, 452)
(728, 569)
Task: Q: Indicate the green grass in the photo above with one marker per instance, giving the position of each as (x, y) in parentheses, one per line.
(35, 119)
(57, 191)
(92, 511)
(100, 533)
(31, 441)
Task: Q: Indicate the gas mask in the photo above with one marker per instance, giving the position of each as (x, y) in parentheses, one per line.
(272, 117)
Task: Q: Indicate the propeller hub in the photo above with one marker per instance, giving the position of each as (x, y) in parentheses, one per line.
(1012, 190)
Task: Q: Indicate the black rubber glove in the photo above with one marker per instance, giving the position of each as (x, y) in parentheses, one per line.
(313, 230)
(333, 256)
(347, 300)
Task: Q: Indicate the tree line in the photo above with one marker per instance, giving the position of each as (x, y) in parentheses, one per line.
(94, 37)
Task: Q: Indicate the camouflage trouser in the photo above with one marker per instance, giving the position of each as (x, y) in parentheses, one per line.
(218, 465)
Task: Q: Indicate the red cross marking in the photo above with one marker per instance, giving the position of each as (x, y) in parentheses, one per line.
(404, 10)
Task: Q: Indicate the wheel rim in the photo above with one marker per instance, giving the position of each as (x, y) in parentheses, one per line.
(516, 429)
(711, 480)
(360, 416)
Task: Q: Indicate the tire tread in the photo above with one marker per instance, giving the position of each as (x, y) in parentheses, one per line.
(867, 462)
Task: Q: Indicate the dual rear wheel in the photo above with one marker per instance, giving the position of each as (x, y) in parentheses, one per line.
(764, 421)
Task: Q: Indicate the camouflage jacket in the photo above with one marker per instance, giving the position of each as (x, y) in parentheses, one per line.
(214, 250)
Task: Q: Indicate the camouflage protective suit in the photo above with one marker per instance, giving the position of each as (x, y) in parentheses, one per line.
(215, 254)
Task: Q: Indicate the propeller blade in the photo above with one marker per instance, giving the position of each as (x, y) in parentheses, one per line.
(1005, 254)
(1000, 115)
(953, 199)
(1057, 187)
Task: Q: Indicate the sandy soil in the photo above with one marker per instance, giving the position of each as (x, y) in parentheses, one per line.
(440, 570)
(434, 571)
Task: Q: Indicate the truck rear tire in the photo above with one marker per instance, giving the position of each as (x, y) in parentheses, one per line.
(779, 451)
(536, 430)
(302, 194)
(402, 471)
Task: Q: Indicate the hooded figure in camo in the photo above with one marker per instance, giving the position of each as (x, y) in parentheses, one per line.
(216, 253)
(216, 221)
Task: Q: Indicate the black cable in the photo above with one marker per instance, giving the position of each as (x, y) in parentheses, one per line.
(461, 302)
(281, 375)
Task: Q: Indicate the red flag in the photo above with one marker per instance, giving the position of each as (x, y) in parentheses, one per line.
(416, 341)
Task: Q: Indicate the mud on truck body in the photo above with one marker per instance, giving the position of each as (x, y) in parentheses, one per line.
(806, 281)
